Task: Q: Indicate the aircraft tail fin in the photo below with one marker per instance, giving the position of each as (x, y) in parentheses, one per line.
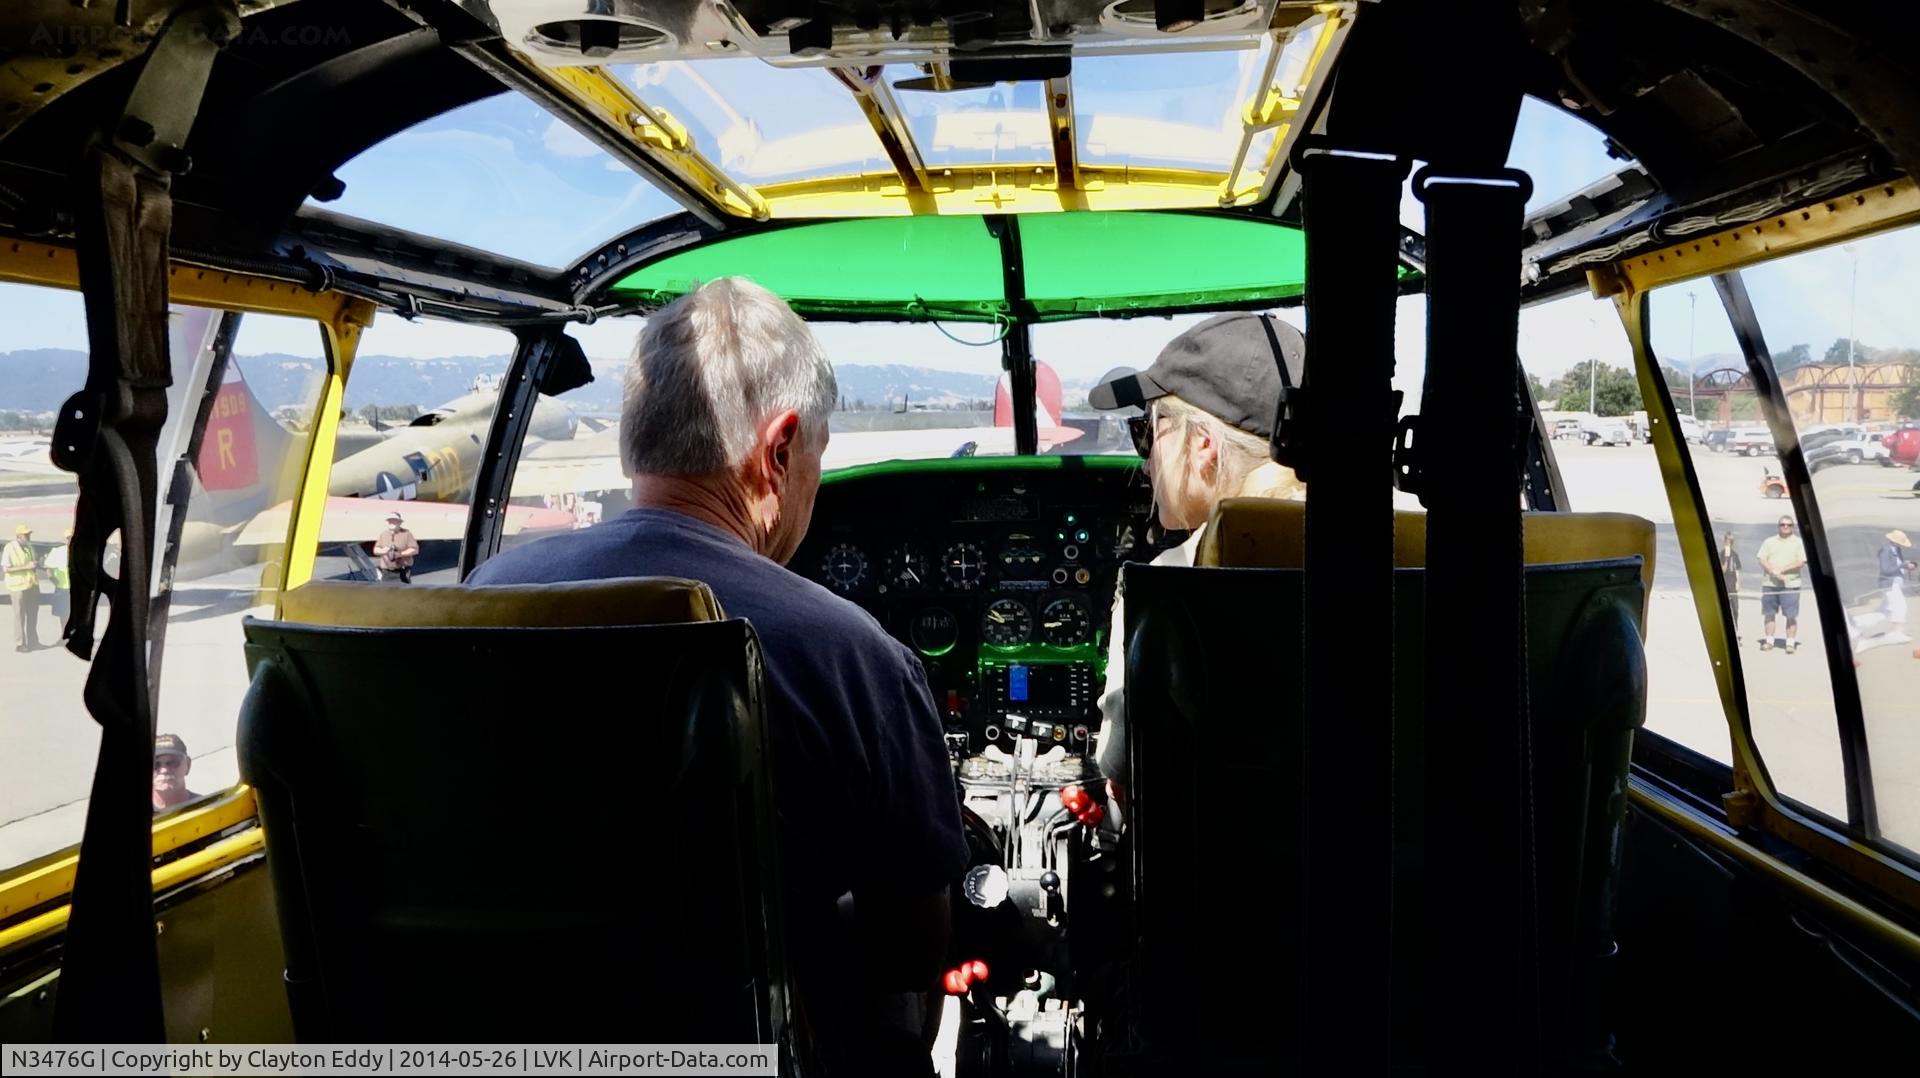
(1047, 401)
(244, 446)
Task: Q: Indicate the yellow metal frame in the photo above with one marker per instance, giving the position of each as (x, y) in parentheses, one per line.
(972, 191)
(50, 880)
(1270, 110)
(649, 129)
(341, 319)
(165, 878)
(1628, 282)
(1819, 224)
(1886, 931)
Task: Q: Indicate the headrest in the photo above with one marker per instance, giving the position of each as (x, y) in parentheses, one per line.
(1270, 533)
(662, 600)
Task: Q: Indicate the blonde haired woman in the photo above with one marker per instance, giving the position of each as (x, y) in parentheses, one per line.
(1209, 403)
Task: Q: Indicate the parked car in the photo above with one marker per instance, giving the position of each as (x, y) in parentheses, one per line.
(1718, 440)
(1691, 429)
(1822, 447)
(1751, 441)
(1607, 431)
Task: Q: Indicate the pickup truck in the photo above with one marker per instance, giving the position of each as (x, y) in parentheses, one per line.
(1750, 441)
(1608, 431)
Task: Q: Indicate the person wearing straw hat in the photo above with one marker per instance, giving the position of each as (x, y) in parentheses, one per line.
(22, 567)
(1894, 567)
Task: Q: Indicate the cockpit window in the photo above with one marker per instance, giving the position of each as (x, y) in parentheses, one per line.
(1844, 339)
(918, 391)
(1560, 152)
(1189, 110)
(502, 175)
(803, 124)
(408, 448)
(1004, 123)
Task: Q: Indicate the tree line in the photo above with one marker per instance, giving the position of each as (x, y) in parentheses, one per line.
(1592, 386)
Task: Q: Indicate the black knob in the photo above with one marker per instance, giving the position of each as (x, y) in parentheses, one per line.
(1050, 882)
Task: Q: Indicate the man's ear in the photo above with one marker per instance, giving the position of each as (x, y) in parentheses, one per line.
(780, 441)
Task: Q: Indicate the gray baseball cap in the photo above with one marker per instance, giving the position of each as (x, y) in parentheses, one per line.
(1231, 365)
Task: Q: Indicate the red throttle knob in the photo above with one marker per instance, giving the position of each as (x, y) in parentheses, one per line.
(1075, 798)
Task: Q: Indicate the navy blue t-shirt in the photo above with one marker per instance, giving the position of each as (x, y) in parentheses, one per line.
(861, 780)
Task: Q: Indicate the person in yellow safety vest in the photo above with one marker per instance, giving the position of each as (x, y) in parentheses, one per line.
(22, 567)
(62, 581)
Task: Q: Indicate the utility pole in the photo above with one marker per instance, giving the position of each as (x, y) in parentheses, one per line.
(1853, 376)
(1693, 406)
(1593, 374)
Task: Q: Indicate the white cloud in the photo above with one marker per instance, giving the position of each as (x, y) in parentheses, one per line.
(563, 141)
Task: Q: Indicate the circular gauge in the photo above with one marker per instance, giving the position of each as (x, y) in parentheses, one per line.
(1064, 623)
(963, 566)
(907, 568)
(844, 567)
(1007, 623)
(934, 631)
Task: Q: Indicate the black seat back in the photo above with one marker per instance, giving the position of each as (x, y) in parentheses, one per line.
(499, 833)
(1215, 729)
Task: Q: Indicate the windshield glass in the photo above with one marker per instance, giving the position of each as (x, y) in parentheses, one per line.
(1558, 151)
(502, 175)
(760, 123)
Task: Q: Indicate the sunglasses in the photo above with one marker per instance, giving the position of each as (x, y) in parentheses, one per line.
(1141, 427)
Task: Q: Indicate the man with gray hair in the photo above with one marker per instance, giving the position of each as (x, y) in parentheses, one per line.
(722, 428)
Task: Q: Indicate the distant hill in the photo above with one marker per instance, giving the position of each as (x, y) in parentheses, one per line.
(888, 385)
(38, 380)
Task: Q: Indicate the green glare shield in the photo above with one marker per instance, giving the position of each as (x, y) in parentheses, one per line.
(1077, 265)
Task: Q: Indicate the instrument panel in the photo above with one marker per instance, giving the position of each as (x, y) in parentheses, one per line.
(998, 572)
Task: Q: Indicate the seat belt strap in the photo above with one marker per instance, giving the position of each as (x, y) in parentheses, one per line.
(1482, 985)
(1339, 437)
(108, 434)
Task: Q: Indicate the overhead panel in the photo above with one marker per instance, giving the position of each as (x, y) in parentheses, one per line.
(1023, 106)
(861, 32)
